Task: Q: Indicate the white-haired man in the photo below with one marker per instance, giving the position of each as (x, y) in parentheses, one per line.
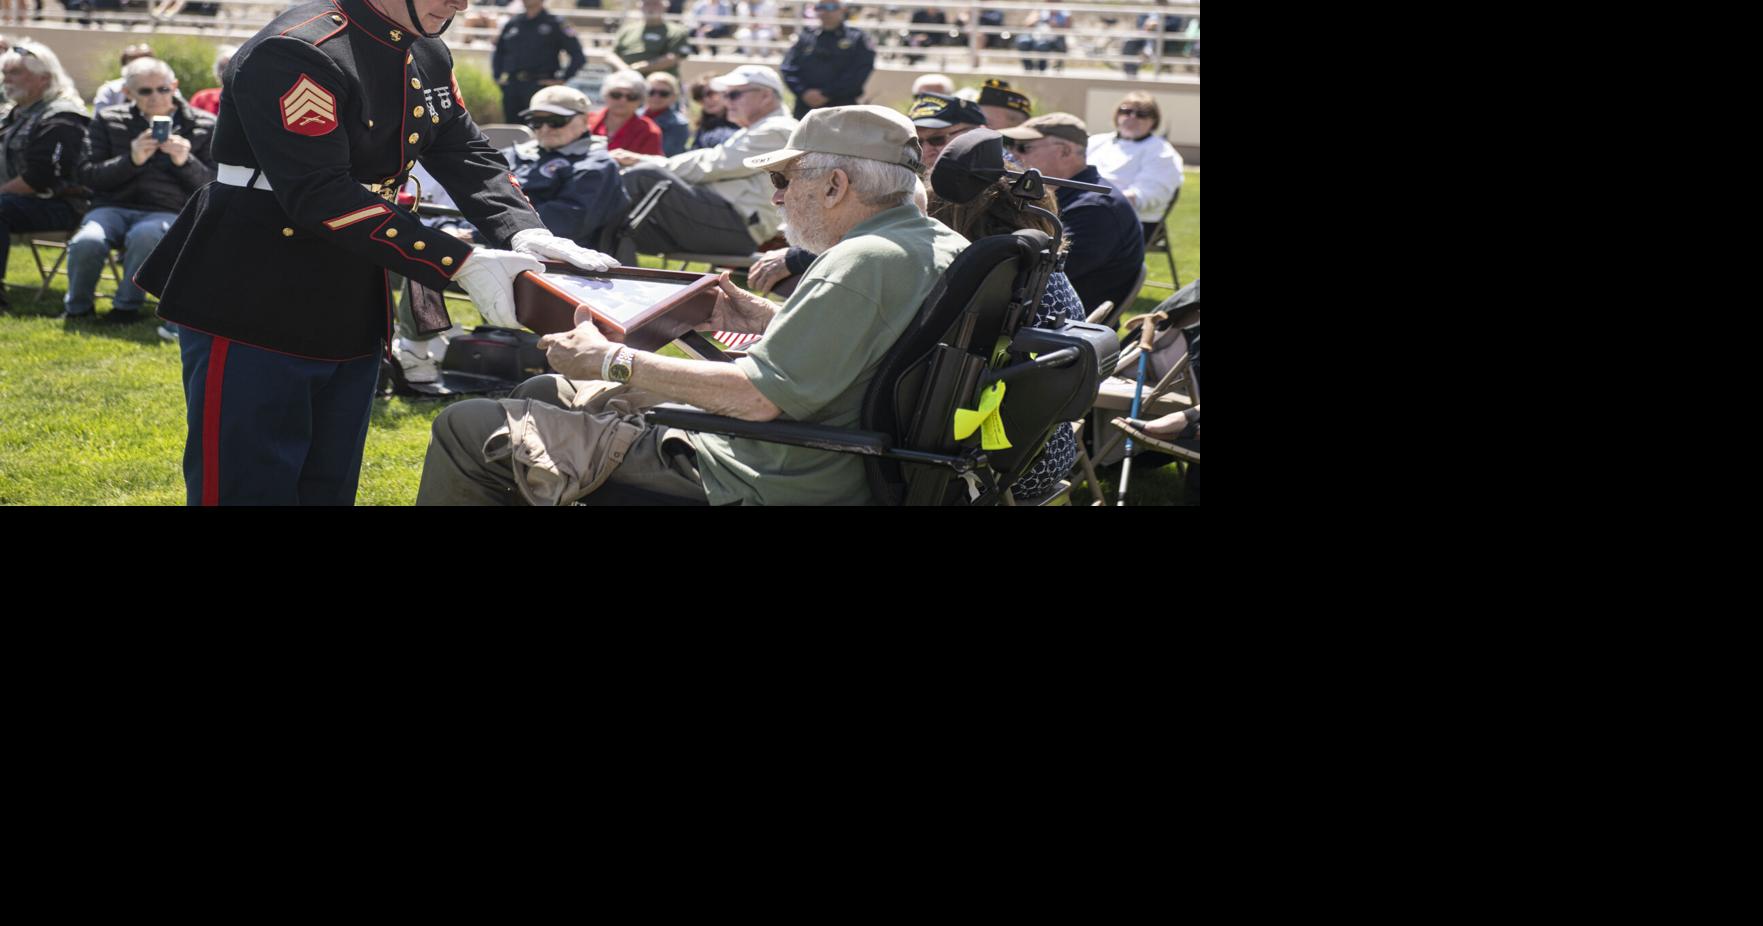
(39, 146)
(717, 203)
(845, 181)
(934, 83)
(139, 184)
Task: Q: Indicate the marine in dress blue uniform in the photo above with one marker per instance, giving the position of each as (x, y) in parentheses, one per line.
(836, 61)
(527, 52)
(277, 271)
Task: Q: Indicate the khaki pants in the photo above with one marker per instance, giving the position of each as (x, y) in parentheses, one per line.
(461, 470)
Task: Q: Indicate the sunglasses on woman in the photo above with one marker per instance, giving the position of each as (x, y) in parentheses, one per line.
(1129, 111)
(149, 91)
(621, 95)
(547, 122)
(661, 92)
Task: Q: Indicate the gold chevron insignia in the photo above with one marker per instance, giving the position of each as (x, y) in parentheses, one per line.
(307, 102)
(359, 215)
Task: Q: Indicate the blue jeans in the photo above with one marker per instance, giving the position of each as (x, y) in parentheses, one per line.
(136, 231)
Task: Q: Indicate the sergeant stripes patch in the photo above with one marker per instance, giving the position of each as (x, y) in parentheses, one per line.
(309, 109)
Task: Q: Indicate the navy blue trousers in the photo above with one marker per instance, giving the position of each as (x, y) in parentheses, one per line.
(272, 429)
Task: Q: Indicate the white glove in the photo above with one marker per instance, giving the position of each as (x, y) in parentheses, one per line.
(541, 243)
(487, 276)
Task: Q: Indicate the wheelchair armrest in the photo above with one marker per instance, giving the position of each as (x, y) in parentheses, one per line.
(818, 437)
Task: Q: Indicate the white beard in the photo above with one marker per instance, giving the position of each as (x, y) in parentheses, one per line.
(809, 230)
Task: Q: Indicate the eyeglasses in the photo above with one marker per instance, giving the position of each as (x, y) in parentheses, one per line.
(621, 95)
(661, 92)
(1129, 111)
(547, 122)
(781, 182)
(938, 141)
(149, 91)
(735, 94)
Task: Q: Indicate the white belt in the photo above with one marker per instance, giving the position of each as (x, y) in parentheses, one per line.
(234, 175)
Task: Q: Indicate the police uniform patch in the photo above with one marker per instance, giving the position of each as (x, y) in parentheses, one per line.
(309, 109)
(551, 167)
(544, 29)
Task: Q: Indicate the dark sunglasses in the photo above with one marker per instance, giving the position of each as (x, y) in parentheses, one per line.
(661, 92)
(1129, 111)
(547, 122)
(734, 94)
(621, 95)
(781, 182)
(149, 91)
(938, 141)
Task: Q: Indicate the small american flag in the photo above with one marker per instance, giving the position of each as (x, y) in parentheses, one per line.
(735, 341)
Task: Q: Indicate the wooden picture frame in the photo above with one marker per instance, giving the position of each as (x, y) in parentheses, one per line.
(638, 306)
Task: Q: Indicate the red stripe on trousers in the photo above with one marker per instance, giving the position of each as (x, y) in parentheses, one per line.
(211, 421)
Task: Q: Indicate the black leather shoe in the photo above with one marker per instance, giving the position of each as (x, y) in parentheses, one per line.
(122, 318)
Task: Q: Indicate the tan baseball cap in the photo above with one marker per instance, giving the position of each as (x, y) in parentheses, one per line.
(1052, 125)
(873, 132)
(558, 101)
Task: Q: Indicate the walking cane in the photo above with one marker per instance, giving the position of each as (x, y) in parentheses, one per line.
(1146, 333)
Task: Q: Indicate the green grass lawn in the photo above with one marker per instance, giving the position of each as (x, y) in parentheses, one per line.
(94, 415)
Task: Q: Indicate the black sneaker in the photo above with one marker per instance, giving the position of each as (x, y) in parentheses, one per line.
(122, 317)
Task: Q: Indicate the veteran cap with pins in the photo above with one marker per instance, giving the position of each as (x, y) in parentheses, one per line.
(939, 111)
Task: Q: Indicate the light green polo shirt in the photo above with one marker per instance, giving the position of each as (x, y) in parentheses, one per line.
(819, 354)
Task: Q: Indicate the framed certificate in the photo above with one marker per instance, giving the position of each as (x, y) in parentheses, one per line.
(632, 305)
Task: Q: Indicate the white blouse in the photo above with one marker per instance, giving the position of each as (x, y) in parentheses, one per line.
(1148, 170)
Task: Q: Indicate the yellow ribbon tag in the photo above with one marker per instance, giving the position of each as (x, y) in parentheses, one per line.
(987, 419)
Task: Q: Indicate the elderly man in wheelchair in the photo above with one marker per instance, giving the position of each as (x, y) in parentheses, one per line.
(898, 337)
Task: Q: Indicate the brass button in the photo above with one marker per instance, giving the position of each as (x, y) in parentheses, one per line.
(417, 112)
(397, 36)
(370, 123)
(446, 261)
(410, 58)
(414, 138)
(410, 166)
(391, 233)
(287, 233)
(415, 84)
(336, 19)
(436, 118)
(420, 245)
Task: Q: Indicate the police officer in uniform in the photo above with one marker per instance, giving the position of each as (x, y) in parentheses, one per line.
(526, 53)
(828, 66)
(276, 271)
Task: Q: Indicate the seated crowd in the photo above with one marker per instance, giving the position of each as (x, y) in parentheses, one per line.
(845, 185)
(115, 176)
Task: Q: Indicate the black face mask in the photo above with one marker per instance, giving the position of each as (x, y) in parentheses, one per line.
(410, 6)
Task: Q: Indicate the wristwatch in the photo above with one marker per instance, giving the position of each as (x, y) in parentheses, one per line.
(621, 365)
